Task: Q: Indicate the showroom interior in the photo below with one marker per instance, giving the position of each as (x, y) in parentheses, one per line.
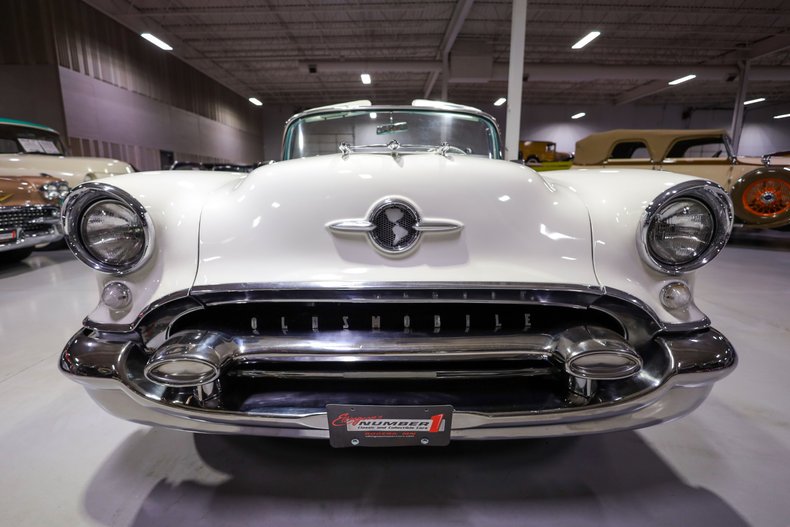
(208, 84)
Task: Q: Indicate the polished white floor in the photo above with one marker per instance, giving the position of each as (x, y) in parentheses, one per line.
(63, 461)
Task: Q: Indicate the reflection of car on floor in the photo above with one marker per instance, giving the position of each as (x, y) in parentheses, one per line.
(394, 281)
(29, 214)
(29, 148)
(760, 187)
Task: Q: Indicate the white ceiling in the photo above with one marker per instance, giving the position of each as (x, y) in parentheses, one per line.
(264, 48)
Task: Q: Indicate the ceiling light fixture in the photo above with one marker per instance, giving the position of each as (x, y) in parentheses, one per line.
(500, 101)
(592, 35)
(746, 103)
(681, 80)
(578, 115)
(255, 101)
(365, 78)
(157, 42)
(783, 116)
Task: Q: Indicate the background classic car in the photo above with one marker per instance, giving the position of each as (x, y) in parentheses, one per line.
(29, 148)
(29, 214)
(394, 281)
(760, 187)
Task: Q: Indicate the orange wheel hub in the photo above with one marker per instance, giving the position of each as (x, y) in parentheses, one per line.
(767, 197)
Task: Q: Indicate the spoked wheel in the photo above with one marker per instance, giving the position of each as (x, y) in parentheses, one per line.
(762, 197)
(767, 197)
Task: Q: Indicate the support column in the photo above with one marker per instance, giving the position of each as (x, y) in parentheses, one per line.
(518, 30)
(737, 114)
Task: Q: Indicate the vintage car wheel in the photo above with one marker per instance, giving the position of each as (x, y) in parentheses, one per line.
(763, 197)
(15, 255)
(532, 160)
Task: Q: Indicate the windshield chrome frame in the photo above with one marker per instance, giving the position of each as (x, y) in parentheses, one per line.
(497, 153)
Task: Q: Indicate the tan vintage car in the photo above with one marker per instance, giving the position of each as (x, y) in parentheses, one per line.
(759, 187)
(29, 148)
(534, 152)
(29, 214)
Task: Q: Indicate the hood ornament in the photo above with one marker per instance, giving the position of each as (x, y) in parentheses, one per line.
(394, 226)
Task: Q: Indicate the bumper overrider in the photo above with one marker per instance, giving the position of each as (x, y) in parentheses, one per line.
(509, 362)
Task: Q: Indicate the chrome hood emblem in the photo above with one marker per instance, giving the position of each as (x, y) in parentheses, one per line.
(394, 225)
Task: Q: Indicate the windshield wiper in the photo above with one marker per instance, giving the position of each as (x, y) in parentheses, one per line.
(395, 148)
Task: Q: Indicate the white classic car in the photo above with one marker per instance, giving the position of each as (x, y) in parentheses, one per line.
(34, 149)
(393, 281)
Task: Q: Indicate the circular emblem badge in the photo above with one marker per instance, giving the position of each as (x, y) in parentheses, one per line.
(394, 223)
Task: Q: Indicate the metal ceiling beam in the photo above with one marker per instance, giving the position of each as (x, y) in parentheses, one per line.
(561, 72)
(757, 50)
(461, 11)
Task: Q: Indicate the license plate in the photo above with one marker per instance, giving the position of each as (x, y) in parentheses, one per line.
(366, 425)
(7, 236)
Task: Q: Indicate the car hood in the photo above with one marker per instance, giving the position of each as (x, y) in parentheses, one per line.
(73, 170)
(23, 191)
(516, 226)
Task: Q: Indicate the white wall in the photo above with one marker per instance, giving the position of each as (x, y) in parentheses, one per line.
(100, 111)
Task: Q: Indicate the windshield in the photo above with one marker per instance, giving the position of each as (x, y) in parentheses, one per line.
(322, 134)
(23, 140)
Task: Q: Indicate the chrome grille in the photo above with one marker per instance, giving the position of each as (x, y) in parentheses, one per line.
(25, 217)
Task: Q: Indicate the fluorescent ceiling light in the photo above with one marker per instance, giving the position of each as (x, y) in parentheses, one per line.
(373, 115)
(157, 42)
(365, 78)
(592, 35)
(578, 115)
(761, 99)
(783, 116)
(500, 101)
(255, 101)
(682, 80)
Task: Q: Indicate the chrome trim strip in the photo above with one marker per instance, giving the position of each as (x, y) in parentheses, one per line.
(718, 202)
(352, 225)
(438, 225)
(85, 195)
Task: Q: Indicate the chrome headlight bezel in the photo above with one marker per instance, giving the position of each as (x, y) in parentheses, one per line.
(718, 203)
(72, 214)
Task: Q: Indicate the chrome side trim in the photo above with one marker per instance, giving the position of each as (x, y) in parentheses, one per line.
(718, 202)
(75, 205)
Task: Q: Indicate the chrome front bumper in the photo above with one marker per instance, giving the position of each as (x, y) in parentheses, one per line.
(692, 363)
(25, 240)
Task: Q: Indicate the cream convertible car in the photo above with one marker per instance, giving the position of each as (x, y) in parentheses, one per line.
(393, 281)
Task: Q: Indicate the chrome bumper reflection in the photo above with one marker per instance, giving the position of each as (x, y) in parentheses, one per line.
(110, 366)
(29, 240)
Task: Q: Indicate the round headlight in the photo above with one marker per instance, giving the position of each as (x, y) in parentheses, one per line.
(680, 232)
(112, 233)
(685, 227)
(107, 228)
(50, 191)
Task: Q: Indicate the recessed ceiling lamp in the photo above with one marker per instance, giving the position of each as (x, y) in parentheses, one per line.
(681, 80)
(255, 101)
(157, 42)
(753, 101)
(365, 78)
(500, 101)
(578, 115)
(783, 116)
(592, 35)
